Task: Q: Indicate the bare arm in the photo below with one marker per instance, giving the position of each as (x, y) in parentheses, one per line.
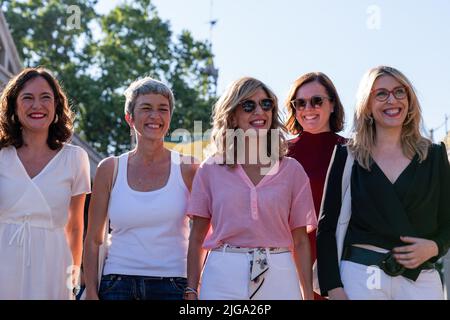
(98, 208)
(189, 166)
(196, 254)
(74, 231)
(302, 257)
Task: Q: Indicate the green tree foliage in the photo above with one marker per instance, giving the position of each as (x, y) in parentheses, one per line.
(95, 67)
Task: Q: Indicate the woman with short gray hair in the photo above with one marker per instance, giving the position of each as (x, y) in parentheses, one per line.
(145, 203)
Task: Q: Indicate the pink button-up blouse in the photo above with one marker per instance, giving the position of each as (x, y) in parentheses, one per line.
(246, 215)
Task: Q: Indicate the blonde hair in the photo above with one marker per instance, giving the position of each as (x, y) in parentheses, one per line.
(363, 140)
(224, 110)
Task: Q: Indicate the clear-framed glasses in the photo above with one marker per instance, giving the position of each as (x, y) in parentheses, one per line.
(315, 102)
(248, 106)
(383, 94)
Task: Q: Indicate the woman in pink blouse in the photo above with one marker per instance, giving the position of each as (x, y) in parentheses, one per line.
(251, 206)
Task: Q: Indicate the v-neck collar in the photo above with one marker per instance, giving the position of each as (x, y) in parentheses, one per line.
(43, 169)
(248, 181)
(399, 178)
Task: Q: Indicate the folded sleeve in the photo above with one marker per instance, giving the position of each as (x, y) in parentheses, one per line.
(200, 199)
(302, 208)
(327, 259)
(442, 237)
(81, 175)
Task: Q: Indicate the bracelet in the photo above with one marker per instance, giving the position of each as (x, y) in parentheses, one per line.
(190, 290)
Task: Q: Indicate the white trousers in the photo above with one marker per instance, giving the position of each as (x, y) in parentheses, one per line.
(371, 283)
(226, 277)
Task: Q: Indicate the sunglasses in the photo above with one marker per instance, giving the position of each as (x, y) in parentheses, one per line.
(383, 94)
(250, 105)
(315, 102)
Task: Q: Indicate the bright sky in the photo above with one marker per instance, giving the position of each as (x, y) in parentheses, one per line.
(278, 40)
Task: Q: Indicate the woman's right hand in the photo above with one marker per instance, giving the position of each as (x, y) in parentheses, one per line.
(337, 294)
(91, 295)
(190, 296)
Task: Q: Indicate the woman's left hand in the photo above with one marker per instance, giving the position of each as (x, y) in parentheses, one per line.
(417, 252)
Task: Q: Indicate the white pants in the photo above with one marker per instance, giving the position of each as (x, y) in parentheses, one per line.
(371, 283)
(226, 277)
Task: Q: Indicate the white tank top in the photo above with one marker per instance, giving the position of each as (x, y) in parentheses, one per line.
(150, 230)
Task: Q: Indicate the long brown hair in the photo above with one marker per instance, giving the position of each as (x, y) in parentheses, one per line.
(336, 118)
(10, 127)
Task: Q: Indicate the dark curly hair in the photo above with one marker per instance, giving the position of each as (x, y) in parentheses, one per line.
(10, 130)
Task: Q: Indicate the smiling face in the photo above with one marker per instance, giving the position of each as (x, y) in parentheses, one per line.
(151, 118)
(35, 105)
(258, 118)
(392, 112)
(314, 120)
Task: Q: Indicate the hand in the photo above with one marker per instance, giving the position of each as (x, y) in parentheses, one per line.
(309, 295)
(91, 295)
(82, 282)
(190, 296)
(417, 252)
(337, 294)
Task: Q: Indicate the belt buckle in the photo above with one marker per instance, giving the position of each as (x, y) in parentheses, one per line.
(390, 266)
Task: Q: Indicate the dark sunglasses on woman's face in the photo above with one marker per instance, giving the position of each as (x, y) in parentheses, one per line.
(250, 105)
(315, 102)
(383, 94)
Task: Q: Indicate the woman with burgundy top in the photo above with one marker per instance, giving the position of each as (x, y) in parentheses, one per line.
(257, 202)
(315, 114)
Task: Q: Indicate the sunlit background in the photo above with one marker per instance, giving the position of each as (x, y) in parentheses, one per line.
(278, 40)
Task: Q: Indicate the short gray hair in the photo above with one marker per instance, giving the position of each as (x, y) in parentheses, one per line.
(143, 86)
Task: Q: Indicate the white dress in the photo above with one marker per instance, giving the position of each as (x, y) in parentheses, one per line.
(34, 252)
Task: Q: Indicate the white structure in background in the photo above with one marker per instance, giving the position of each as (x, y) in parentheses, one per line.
(9, 58)
(10, 64)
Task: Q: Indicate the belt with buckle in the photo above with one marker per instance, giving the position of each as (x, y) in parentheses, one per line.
(385, 261)
(258, 263)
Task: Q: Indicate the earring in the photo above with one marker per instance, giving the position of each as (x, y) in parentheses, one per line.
(56, 119)
(370, 120)
(13, 119)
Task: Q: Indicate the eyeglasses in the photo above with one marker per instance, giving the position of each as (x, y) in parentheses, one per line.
(383, 94)
(315, 102)
(250, 105)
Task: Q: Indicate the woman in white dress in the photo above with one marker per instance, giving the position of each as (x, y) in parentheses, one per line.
(43, 183)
